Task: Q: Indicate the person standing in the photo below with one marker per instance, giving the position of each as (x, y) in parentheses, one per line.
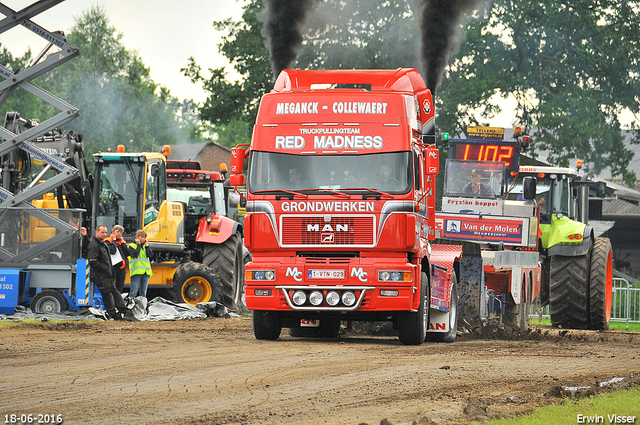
(102, 275)
(75, 222)
(140, 265)
(118, 247)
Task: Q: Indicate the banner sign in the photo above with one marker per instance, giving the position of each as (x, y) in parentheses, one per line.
(489, 229)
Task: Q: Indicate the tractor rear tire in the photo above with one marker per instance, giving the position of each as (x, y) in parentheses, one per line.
(569, 291)
(412, 326)
(49, 301)
(195, 283)
(329, 328)
(450, 335)
(266, 325)
(227, 260)
(601, 284)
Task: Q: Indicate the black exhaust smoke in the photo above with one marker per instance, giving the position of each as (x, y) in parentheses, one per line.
(441, 20)
(283, 20)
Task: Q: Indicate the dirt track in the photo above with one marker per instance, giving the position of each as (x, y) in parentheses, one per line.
(214, 371)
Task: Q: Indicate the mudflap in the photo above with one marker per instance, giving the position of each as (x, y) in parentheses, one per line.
(471, 288)
(438, 321)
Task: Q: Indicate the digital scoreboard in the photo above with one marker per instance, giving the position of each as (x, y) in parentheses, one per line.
(484, 150)
(486, 144)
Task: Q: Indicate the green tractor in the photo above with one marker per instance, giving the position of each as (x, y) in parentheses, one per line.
(577, 277)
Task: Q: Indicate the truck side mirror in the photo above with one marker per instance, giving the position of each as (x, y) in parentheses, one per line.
(601, 189)
(236, 180)
(237, 160)
(155, 170)
(433, 161)
(529, 188)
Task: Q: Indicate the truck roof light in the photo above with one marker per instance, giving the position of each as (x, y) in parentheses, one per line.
(120, 149)
(223, 167)
(525, 142)
(166, 151)
(517, 131)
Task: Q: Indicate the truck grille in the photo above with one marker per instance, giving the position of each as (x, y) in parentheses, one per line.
(339, 231)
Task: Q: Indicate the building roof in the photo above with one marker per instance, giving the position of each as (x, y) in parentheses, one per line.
(192, 151)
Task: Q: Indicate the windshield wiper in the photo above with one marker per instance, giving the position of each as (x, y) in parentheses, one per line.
(377, 193)
(281, 193)
(331, 191)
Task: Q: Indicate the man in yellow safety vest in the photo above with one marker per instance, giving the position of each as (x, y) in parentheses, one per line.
(140, 265)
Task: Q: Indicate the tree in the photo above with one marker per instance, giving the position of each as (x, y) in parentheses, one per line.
(572, 66)
(19, 99)
(366, 36)
(243, 46)
(119, 103)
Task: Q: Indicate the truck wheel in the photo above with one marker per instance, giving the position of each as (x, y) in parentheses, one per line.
(568, 292)
(450, 335)
(266, 325)
(329, 328)
(600, 284)
(226, 259)
(412, 326)
(195, 283)
(49, 301)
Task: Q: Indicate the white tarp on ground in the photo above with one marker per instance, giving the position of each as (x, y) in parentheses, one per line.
(154, 310)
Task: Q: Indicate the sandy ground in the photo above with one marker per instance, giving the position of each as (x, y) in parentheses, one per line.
(213, 371)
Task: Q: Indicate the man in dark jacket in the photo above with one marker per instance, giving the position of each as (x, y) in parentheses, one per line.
(116, 243)
(102, 276)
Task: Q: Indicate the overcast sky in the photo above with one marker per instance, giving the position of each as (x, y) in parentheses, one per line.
(165, 33)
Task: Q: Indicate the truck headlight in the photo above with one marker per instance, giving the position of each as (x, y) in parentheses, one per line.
(348, 298)
(299, 297)
(316, 298)
(260, 275)
(333, 298)
(394, 276)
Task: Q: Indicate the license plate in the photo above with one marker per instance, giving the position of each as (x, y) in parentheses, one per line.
(309, 323)
(326, 274)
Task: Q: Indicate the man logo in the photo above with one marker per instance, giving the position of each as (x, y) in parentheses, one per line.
(359, 273)
(327, 228)
(293, 272)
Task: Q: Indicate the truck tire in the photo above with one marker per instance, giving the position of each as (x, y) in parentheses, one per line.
(600, 284)
(412, 326)
(195, 283)
(49, 301)
(227, 259)
(450, 335)
(329, 328)
(569, 291)
(266, 325)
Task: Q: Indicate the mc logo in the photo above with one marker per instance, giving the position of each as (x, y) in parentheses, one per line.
(293, 272)
(359, 273)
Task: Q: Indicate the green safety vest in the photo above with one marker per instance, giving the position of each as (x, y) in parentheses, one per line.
(140, 265)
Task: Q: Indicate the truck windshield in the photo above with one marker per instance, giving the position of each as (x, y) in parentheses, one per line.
(197, 199)
(481, 179)
(552, 194)
(117, 202)
(387, 172)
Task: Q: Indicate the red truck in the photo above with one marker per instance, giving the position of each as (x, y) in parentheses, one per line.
(341, 209)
